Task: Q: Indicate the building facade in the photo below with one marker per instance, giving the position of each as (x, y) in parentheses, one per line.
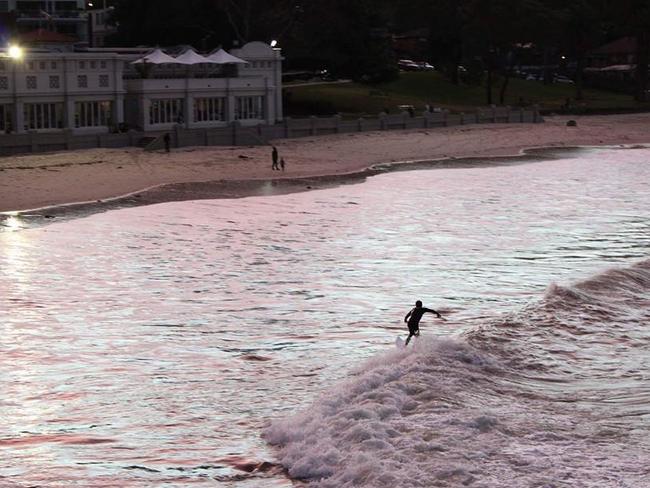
(102, 90)
(67, 17)
(51, 92)
(209, 96)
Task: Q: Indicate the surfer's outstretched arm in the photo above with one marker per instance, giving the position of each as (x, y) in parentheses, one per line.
(433, 311)
(408, 315)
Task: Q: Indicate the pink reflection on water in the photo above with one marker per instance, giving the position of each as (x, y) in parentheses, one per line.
(177, 331)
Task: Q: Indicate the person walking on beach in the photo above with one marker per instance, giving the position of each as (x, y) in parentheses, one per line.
(413, 319)
(274, 158)
(282, 164)
(166, 139)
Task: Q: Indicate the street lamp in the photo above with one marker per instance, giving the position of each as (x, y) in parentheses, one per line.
(15, 52)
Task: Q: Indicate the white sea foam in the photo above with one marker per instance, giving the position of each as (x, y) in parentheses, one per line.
(446, 414)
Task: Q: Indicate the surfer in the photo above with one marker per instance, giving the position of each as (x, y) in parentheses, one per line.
(413, 319)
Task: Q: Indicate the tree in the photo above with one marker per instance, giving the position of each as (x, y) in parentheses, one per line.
(447, 21)
(167, 22)
(492, 31)
(583, 30)
(634, 17)
(348, 37)
(259, 19)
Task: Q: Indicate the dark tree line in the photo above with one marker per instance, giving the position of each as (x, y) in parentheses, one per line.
(352, 38)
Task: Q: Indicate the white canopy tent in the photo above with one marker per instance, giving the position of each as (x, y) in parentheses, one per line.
(222, 57)
(192, 57)
(156, 57)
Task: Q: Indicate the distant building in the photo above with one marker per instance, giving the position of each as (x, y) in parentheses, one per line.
(100, 26)
(48, 91)
(211, 96)
(612, 66)
(46, 39)
(619, 52)
(100, 90)
(67, 17)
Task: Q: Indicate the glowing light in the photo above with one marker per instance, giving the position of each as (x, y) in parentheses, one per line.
(12, 221)
(274, 43)
(13, 259)
(15, 52)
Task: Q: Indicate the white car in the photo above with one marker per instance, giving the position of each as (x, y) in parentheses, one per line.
(408, 65)
(562, 79)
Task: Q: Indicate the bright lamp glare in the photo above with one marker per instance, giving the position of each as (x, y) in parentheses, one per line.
(274, 43)
(15, 52)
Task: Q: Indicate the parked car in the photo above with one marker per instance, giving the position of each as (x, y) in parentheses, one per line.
(424, 66)
(325, 75)
(410, 109)
(408, 65)
(562, 79)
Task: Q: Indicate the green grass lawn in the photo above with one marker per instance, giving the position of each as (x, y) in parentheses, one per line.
(421, 88)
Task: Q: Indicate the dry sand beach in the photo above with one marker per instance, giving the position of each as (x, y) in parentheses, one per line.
(51, 179)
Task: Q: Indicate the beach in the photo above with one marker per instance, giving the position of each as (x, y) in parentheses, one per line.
(212, 340)
(52, 179)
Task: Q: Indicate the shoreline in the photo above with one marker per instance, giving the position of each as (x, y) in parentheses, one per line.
(82, 182)
(234, 189)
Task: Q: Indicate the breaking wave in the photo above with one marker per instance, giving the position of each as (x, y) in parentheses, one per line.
(555, 395)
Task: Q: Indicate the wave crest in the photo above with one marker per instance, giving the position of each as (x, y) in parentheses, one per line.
(524, 397)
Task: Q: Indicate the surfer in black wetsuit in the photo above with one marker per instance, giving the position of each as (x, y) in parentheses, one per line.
(413, 319)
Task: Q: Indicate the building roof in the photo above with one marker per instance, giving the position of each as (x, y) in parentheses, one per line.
(44, 35)
(624, 45)
(191, 57)
(156, 57)
(222, 57)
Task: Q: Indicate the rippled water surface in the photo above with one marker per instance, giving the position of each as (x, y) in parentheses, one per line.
(151, 346)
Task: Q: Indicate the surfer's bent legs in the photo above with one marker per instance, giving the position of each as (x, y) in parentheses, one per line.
(412, 332)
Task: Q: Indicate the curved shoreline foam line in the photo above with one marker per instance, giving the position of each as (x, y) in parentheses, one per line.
(360, 172)
(83, 202)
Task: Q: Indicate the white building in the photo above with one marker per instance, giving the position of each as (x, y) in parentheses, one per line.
(211, 96)
(47, 91)
(100, 90)
(63, 16)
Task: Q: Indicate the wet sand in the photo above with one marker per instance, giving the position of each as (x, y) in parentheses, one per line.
(104, 178)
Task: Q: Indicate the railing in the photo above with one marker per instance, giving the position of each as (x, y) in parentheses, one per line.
(58, 15)
(174, 76)
(236, 134)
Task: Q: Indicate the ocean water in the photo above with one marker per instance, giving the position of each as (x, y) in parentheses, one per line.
(250, 342)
